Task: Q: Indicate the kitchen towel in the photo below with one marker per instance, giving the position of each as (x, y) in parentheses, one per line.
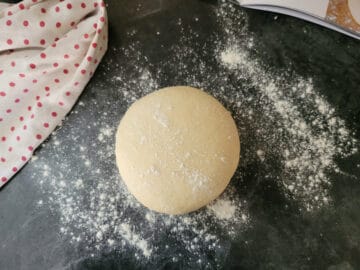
(49, 50)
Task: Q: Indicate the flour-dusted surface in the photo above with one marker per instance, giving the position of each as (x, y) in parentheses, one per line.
(281, 113)
(294, 125)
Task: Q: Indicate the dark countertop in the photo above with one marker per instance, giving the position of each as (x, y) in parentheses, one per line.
(279, 235)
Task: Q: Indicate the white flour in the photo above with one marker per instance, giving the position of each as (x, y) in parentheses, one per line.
(223, 209)
(312, 134)
(286, 128)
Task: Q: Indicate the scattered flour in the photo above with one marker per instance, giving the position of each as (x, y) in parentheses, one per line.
(105, 132)
(135, 239)
(301, 127)
(223, 209)
(285, 125)
(313, 135)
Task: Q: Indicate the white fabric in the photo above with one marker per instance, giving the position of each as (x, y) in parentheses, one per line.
(48, 52)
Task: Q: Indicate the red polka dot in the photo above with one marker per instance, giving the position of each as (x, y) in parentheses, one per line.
(9, 41)
(39, 104)
(76, 64)
(89, 58)
(54, 114)
(67, 93)
(18, 138)
(38, 136)
(12, 84)
(8, 111)
(26, 90)
(65, 71)
(43, 55)
(37, 97)
(32, 116)
(42, 41)
(3, 179)
(66, 56)
(17, 100)
(102, 4)
(32, 66)
(24, 127)
(21, 118)
(47, 88)
(55, 64)
(26, 41)
(76, 46)
(58, 24)
(61, 103)
(83, 5)
(30, 148)
(25, 23)
(57, 9)
(42, 23)
(86, 36)
(83, 71)
(94, 45)
(95, 25)
(46, 125)
(56, 80)
(43, 10)
(14, 169)
(3, 138)
(69, 6)
(9, 13)
(23, 158)
(2, 159)
(2, 94)
(34, 80)
(21, 6)
(8, 22)
(29, 108)
(95, 4)
(10, 149)
(102, 19)
(21, 75)
(13, 64)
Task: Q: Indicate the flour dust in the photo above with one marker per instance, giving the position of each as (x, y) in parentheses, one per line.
(285, 126)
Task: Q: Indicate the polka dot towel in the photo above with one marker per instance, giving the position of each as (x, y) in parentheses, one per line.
(49, 49)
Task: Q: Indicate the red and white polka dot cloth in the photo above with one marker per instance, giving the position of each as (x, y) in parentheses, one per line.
(49, 49)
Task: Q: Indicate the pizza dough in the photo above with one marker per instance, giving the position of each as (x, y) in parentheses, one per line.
(177, 149)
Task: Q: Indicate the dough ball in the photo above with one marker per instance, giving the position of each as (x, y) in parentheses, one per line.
(177, 149)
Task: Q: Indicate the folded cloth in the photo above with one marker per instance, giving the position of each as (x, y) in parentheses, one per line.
(49, 50)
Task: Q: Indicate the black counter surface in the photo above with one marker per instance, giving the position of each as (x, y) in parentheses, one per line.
(277, 236)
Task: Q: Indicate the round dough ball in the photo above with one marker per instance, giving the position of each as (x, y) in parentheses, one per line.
(177, 149)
